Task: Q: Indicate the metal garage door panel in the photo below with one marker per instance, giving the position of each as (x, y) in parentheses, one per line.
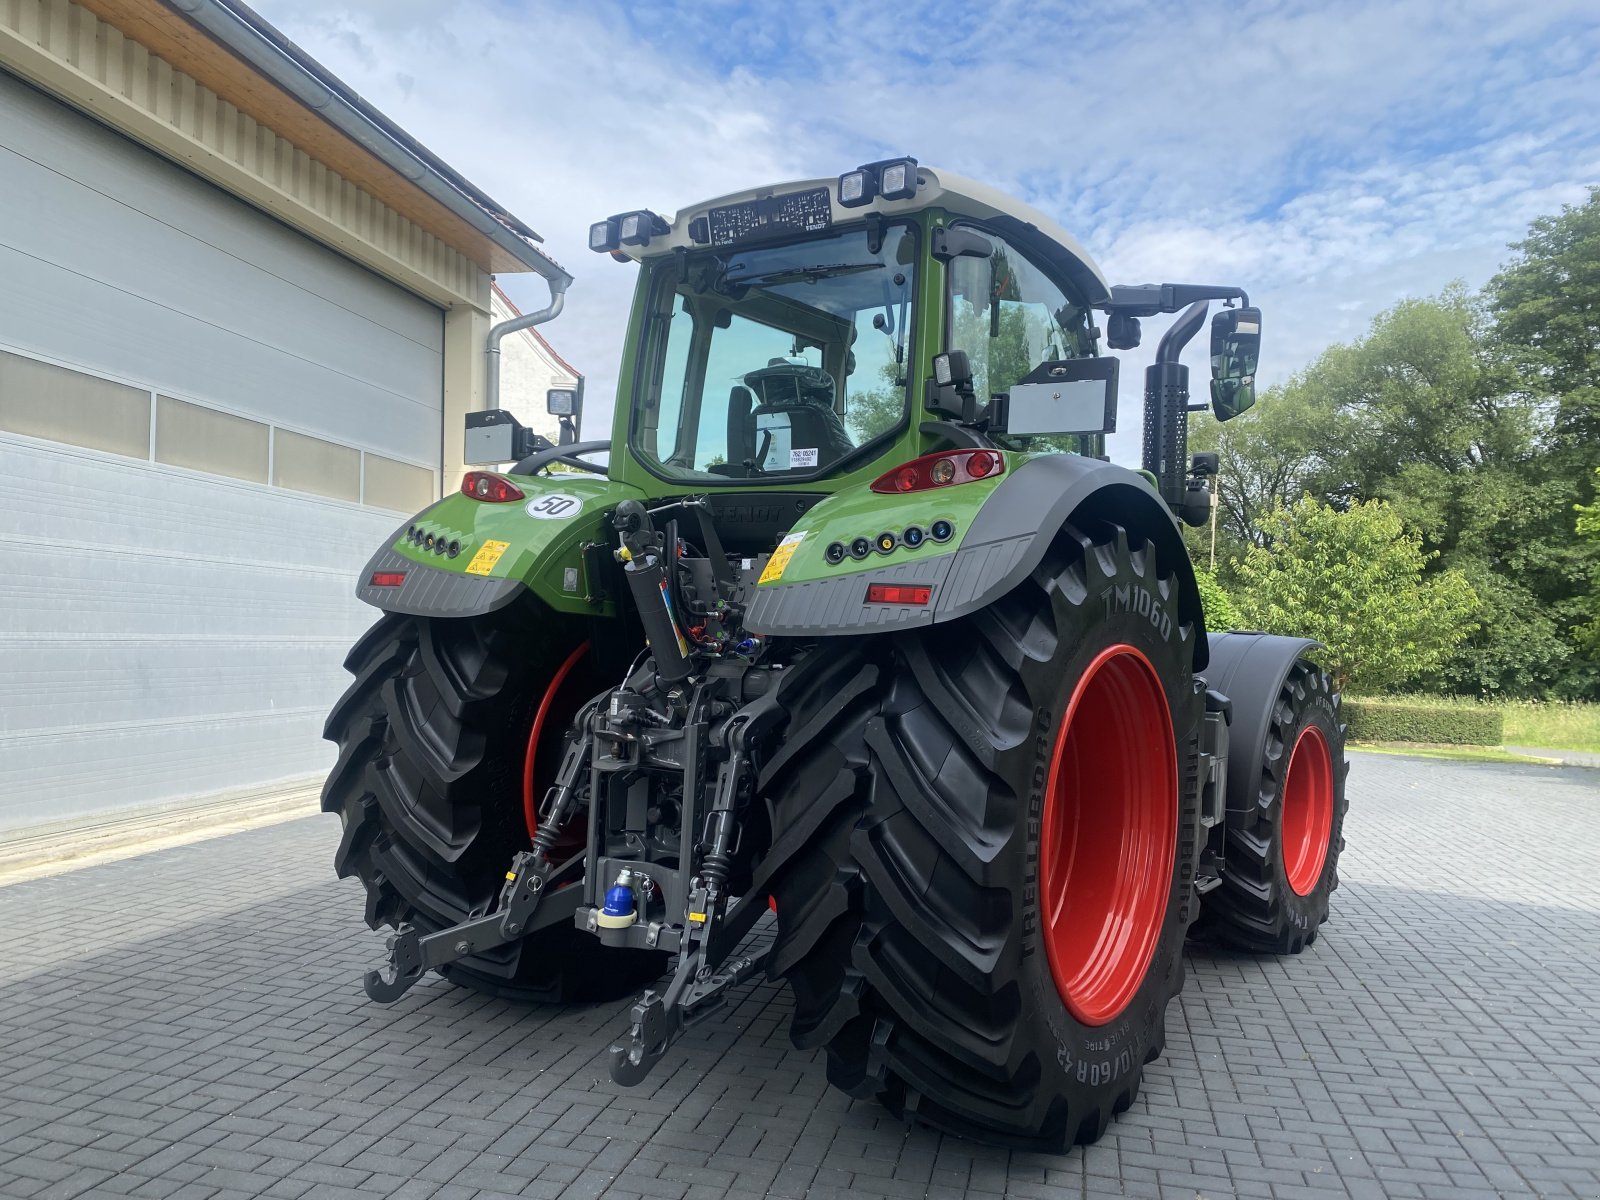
(165, 633)
(173, 634)
(117, 261)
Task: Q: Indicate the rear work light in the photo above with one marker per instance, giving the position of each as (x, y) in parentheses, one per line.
(944, 469)
(898, 593)
(387, 579)
(490, 488)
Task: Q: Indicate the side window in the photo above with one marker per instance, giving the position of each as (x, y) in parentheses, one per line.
(1009, 317)
(664, 418)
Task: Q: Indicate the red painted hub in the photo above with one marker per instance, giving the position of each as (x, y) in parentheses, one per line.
(1109, 834)
(1307, 810)
(557, 707)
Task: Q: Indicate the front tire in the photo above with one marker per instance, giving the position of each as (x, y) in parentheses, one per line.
(953, 930)
(433, 739)
(1282, 859)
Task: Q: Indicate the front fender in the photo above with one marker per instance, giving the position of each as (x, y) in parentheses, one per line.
(502, 550)
(1004, 527)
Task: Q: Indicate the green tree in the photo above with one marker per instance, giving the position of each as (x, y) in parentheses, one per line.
(1589, 527)
(1215, 601)
(1354, 580)
(1545, 305)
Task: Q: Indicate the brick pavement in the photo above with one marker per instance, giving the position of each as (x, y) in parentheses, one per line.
(189, 1024)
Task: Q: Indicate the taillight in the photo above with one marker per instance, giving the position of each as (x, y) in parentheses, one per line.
(898, 593)
(387, 578)
(490, 488)
(940, 470)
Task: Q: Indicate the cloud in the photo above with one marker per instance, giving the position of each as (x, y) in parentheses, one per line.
(1329, 158)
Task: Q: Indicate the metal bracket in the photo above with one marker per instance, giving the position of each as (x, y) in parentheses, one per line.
(659, 1019)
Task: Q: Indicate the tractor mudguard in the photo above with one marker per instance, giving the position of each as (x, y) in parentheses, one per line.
(1001, 530)
(1249, 668)
(464, 557)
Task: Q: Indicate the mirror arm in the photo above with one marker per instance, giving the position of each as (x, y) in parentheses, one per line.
(491, 382)
(1148, 299)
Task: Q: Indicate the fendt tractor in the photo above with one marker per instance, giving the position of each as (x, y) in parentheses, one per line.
(849, 659)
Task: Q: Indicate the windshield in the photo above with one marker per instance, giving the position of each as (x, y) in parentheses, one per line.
(781, 360)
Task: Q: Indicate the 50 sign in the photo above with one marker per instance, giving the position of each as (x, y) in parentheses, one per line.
(554, 507)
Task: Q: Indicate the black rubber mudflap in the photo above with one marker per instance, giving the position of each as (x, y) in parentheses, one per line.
(428, 784)
(905, 862)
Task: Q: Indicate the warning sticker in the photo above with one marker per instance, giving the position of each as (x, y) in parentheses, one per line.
(781, 556)
(484, 560)
(802, 458)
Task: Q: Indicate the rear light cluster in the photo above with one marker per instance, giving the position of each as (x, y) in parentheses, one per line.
(426, 539)
(899, 593)
(940, 470)
(490, 488)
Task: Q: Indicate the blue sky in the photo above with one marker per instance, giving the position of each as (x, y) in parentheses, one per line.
(1331, 158)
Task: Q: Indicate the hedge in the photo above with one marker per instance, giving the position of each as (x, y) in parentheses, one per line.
(1397, 721)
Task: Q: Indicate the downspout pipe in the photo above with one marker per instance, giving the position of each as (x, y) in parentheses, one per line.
(491, 384)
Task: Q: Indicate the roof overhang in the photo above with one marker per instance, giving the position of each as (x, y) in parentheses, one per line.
(227, 47)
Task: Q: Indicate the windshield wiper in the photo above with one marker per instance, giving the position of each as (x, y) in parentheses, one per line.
(805, 274)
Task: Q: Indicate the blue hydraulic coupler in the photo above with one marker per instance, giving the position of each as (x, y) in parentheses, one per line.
(619, 911)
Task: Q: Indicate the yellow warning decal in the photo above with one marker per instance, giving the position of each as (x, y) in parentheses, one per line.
(697, 918)
(780, 557)
(484, 560)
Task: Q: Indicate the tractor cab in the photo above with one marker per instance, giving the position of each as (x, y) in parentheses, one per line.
(804, 337)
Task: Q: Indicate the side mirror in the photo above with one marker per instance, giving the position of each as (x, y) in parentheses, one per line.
(959, 243)
(566, 405)
(1235, 352)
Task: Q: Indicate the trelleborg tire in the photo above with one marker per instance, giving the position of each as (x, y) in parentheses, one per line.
(988, 859)
(433, 739)
(1281, 864)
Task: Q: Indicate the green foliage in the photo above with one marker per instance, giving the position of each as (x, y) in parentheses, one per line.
(1217, 604)
(1353, 580)
(1477, 417)
(1385, 720)
(1558, 726)
(1589, 527)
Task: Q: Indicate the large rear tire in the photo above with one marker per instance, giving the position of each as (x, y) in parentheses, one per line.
(1281, 865)
(988, 859)
(433, 739)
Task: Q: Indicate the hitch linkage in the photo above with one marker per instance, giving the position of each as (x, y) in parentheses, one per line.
(411, 955)
(702, 978)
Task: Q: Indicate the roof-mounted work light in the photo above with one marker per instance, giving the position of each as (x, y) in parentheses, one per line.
(856, 188)
(603, 236)
(898, 179)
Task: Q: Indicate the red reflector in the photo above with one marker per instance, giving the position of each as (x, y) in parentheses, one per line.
(944, 469)
(490, 488)
(898, 593)
(387, 578)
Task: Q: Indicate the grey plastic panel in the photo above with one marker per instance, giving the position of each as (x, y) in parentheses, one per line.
(1001, 546)
(430, 592)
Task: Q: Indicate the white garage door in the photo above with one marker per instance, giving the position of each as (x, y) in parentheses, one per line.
(207, 422)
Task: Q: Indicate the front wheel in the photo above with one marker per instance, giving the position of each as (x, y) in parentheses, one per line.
(1284, 836)
(985, 923)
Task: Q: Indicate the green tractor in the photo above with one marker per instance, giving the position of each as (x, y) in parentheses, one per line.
(849, 659)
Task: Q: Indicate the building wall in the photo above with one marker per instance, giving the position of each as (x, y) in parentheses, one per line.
(528, 369)
(207, 423)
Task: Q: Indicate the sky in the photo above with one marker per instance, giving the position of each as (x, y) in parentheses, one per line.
(1329, 158)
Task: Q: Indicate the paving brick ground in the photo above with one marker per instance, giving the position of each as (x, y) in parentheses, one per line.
(188, 1024)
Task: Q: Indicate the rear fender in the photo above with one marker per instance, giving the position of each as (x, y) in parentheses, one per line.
(501, 551)
(1004, 526)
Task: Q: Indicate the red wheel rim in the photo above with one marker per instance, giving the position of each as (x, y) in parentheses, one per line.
(1307, 810)
(531, 795)
(1108, 835)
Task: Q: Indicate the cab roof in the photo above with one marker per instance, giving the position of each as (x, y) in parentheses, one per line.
(936, 188)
